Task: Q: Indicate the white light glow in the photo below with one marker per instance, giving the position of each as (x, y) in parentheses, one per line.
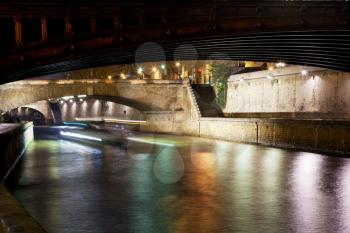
(89, 119)
(162, 66)
(80, 136)
(82, 96)
(269, 77)
(304, 72)
(140, 70)
(280, 64)
(241, 79)
(67, 97)
(124, 121)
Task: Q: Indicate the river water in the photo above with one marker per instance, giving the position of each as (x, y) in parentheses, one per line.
(161, 183)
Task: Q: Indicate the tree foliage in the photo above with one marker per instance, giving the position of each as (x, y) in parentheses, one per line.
(220, 73)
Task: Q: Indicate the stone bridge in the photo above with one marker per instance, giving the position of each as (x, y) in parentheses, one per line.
(143, 95)
(40, 39)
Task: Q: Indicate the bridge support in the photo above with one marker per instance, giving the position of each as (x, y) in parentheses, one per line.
(93, 24)
(68, 28)
(117, 22)
(43, 29)
(18, 31)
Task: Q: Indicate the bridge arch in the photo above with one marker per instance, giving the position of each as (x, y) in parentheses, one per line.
(36, 115)
(143, 95)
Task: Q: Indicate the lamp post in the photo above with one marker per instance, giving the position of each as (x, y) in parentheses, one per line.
(140, 72)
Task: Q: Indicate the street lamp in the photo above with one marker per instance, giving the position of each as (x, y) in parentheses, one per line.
(140, 70)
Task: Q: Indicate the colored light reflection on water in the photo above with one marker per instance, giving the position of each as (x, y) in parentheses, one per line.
(194, 185)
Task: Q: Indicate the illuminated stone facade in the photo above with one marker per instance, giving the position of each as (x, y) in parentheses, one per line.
(287, 93)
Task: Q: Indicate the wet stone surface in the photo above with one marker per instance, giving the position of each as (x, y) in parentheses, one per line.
(160, 183)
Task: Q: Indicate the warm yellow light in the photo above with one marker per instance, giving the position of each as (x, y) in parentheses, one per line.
(122, 76)
(109, 76)
(177, 64)
(154, 69)
(271, 68)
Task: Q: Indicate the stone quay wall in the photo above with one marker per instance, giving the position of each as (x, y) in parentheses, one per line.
(13, 217)
(324, 136)
(13, 140)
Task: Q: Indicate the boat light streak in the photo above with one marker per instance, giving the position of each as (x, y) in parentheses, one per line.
(80, 136)
(75, 123)
(153, 142)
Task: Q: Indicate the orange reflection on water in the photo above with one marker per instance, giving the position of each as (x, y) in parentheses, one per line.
(203, 160)
(200, 211)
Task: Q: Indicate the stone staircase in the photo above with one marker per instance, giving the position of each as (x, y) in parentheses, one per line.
(193, 101)
(205, 99)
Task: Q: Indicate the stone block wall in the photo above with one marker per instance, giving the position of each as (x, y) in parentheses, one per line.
(182, 120)
(228, 129)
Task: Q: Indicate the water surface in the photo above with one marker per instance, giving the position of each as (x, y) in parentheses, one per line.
(183, 184)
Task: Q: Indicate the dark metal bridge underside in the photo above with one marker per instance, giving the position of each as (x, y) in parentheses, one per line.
(306, 33)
